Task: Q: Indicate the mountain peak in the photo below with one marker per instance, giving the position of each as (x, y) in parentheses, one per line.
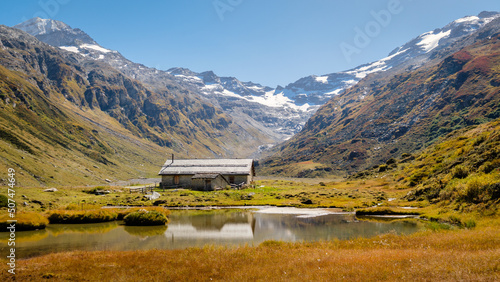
(488, 14)
(55, 33)
(39, 26)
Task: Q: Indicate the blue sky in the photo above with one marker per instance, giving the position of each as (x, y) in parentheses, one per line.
(265, 41)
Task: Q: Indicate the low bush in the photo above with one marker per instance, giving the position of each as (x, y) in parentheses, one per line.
(83, 216)
(382, 168)
(391, 161)
(460, 172)
(417, 177)
(488, 166)
(25, 221)
(124, 212)
(145, 218)
(4, 201)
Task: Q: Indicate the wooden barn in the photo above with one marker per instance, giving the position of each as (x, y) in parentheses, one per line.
(206, 174)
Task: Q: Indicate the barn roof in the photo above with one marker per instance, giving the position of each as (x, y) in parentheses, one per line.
(217, 166)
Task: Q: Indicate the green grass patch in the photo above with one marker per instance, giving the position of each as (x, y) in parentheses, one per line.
(25, 221)
(82, 216)
(145, 218)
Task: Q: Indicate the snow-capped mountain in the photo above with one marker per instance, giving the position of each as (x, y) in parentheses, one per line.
(255, 107)
(316, 90)
(279, 112)
(247, 100)
(61, 35)
(56, 33)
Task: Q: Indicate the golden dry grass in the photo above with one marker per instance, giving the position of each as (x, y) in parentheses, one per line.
(472, 255)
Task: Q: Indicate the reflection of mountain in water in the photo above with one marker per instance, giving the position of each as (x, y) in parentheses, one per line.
(289, 227)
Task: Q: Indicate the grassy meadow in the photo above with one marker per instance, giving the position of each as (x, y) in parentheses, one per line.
(470, 254)
(450, 249)
(453, 186)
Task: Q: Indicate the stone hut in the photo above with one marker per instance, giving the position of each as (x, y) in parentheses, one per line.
(206, 174)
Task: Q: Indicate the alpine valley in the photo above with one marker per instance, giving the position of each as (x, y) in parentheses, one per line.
(74, 112)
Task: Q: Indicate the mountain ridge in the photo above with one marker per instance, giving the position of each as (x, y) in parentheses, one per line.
(384, 116)
(279, 112)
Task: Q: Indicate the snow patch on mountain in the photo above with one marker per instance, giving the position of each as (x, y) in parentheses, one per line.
(95, 47)
(322, 79)
(430, 40)
(316, 90)
(73, 49)
(231, 87)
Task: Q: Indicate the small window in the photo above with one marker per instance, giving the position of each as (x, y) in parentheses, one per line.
(176, 179)
(231, 179)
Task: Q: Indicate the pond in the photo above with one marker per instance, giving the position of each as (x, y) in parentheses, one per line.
(196, 228)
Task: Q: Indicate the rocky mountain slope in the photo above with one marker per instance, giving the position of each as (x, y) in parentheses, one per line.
(259, 113)
(461, 170)
(167, 108)
(317, 90)
(384, 117)
(62, 114)
(276, 113)
(248, 101)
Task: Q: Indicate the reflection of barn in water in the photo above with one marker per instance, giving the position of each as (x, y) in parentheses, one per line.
(231, 227)
(240, 227)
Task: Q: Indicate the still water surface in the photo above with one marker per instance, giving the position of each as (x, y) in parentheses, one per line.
(198, 228)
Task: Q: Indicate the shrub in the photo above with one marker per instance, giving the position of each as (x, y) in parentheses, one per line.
(417, 177)
(25, 221)
(382, 168)
(124, 212)
(145, 218)
(469, 224)
(85, 216)
(390, 161)
(460, 172)
(494, 191)
(488, 167)
(4, 201)
(472, 192)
